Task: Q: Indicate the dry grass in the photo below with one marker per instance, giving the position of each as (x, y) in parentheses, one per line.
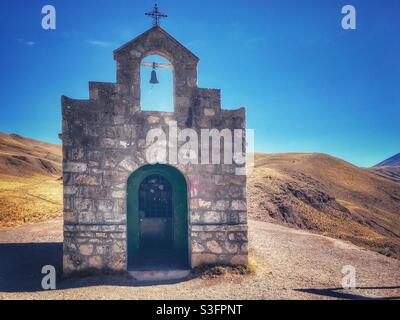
(30, 189)
(26, 200)
(225, 271)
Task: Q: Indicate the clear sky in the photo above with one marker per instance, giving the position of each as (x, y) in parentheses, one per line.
(308, 85)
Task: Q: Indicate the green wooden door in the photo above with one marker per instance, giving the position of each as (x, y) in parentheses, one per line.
(179, 205)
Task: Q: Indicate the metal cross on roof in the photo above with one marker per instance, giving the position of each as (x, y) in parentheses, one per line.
(156, 15)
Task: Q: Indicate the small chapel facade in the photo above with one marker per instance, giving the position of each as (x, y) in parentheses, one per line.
(118, 207)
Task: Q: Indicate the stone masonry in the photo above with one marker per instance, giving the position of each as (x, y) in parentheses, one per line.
(104, 142)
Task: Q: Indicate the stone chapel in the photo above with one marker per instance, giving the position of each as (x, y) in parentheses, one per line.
(121, 212)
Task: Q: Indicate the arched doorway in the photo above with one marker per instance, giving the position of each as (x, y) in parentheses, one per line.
(157, 218)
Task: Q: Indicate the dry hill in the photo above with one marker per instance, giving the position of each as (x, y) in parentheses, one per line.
(329, 196)
(22, 156)
(30, 189)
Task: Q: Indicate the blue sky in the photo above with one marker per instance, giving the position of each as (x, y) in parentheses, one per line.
(308, 85)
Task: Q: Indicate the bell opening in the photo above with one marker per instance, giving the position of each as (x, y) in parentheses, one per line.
(156, 84)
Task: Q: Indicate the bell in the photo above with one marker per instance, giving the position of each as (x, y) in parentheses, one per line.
(154, 79)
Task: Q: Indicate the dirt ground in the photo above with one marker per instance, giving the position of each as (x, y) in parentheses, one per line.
(292, 264)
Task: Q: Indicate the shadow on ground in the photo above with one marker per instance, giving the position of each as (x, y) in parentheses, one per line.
(21, 265)
(340, 293)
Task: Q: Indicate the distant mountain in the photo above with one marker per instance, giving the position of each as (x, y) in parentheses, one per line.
(388, 172)
(389, 169)
(393, 161)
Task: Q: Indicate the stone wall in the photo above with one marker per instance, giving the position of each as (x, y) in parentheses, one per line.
(104, 142)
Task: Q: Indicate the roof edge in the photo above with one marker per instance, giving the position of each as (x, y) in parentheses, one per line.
(118, 50)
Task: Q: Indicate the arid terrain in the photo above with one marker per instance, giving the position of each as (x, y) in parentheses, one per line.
(329, 196)
(289, 264)
(30, 185)
(308, 191)
(304, 210)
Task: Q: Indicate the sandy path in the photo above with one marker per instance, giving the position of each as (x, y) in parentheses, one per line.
(292, 265)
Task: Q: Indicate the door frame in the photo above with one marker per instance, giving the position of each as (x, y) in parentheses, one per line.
(180, 207)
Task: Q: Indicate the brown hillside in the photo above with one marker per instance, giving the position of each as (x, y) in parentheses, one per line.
(22, 156)
(30, 189)
(327, 195)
